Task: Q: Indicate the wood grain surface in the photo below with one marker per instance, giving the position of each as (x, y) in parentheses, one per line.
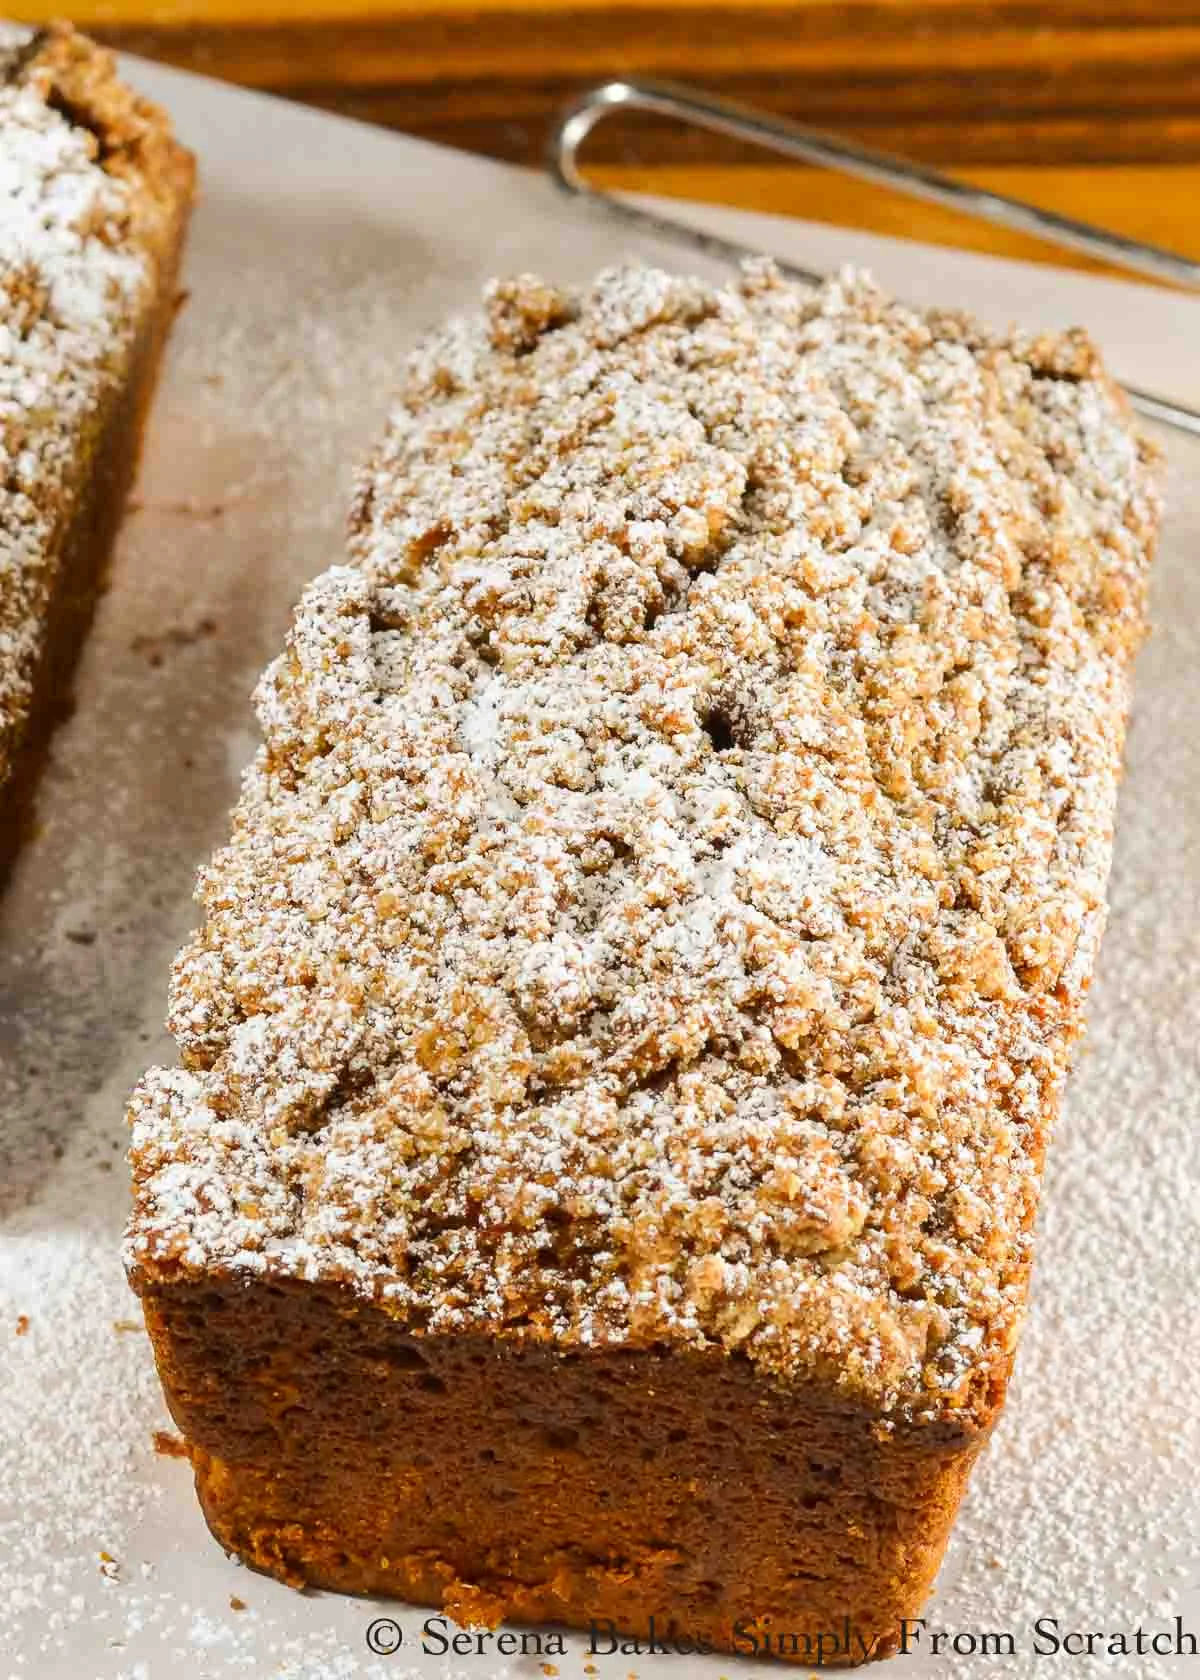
(1088, 107)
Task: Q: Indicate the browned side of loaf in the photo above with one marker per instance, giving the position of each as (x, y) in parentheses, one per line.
(332, 1449)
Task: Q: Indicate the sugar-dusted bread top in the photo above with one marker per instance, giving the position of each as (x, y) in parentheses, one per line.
(91, 183)
(661, 908)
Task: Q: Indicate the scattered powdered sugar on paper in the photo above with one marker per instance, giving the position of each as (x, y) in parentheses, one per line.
(1085, 1501)
(79, 1393)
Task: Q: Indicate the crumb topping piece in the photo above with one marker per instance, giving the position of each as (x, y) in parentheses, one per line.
(661, 907)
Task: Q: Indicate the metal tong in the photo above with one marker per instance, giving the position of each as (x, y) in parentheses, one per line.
(792, 140)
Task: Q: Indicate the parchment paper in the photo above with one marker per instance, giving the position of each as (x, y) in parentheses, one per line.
(320, 250)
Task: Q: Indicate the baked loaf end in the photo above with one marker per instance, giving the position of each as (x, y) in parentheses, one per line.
(95, 193)
(629, 1013)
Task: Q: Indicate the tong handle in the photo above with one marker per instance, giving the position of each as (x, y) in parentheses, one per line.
(792, 140)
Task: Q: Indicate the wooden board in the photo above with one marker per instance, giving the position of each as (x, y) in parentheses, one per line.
(1088, 107)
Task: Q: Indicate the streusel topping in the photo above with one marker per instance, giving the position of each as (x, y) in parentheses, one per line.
(661, 907)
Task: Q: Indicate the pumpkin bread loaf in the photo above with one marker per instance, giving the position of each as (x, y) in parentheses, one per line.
(630, 1011)
(94, 198)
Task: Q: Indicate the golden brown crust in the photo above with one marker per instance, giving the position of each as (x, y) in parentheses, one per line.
(99, 192)
(683, 1491)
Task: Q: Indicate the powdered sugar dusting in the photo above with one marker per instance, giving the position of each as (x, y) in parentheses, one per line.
(662, 905)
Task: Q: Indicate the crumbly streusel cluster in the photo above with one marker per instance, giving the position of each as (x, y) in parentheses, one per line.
(661, 907)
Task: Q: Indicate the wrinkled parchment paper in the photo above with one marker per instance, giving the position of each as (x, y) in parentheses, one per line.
(320, 250)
